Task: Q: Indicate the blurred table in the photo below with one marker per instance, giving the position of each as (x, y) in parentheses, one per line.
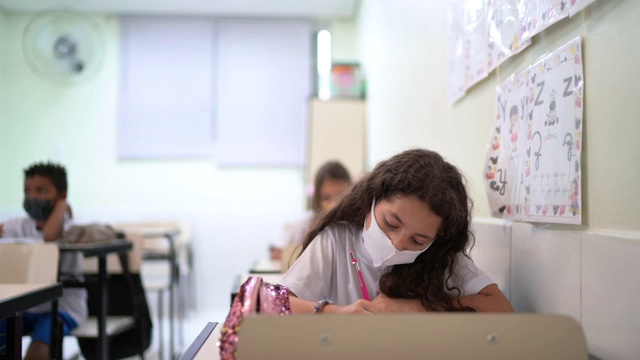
(17, 298)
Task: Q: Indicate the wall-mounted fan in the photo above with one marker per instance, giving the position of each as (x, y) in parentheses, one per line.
(62, 45)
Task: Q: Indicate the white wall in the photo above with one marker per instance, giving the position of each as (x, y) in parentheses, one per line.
(235, 213)
(344, 41)
(588, 272)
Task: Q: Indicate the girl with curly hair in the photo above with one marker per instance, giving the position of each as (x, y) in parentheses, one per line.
(408, 223)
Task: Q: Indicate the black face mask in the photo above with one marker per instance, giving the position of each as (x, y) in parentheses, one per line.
(37, 209)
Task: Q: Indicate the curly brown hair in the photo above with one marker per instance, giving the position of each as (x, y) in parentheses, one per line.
(425, 175)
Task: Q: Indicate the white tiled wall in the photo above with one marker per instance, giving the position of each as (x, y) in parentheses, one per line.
(593, 277)
(545, 270)
(611, 294)
(492, 251)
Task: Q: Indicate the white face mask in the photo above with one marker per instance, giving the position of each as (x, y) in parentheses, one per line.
(380, 247)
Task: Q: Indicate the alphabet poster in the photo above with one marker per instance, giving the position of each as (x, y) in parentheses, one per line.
(532, 168)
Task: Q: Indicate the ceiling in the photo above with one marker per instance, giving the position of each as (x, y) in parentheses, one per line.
(316, 9)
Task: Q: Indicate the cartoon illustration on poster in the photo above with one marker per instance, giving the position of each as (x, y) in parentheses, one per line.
(550, 12)
(528, 13)
(455, 57)
(539, 112)
(506, 155)
(475, 42)
(503, 29)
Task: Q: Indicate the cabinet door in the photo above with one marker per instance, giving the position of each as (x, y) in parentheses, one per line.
(337, 132)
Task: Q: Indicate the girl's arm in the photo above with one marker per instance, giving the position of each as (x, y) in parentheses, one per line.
(489, 299)
(52, 229)
(299, 306)
(384, 304)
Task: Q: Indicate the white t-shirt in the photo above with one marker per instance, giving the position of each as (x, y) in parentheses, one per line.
(73, 300)
(324, 270)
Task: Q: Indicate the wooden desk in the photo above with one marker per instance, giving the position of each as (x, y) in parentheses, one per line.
(266, 266)
(478, 336)
(205, 346)
(241, 278)
(101, 250)
(17, 298)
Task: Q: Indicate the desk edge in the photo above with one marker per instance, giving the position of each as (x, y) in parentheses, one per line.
(195, 346)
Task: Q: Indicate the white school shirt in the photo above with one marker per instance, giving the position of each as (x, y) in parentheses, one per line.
(73, 300)
(324, 270)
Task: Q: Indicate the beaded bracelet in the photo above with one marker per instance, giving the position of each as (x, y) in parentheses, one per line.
(317, 307)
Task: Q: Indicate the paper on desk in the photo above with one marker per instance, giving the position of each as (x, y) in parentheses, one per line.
(21, 240)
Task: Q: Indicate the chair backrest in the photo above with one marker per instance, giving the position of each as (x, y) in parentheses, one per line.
(412, 336)
(90, 265)
(151, 229)
(29, 263)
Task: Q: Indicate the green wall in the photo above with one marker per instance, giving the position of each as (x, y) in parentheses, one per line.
(75, 124)
(3, 67)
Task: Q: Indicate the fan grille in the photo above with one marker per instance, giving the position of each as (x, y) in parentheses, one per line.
(63, 46)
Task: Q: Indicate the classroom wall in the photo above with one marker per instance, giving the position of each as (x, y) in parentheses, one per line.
(344, 42)
(3, 57)
(588, 272)
(235, 213)
(404, 49)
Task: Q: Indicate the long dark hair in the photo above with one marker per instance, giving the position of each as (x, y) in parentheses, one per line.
(427, 176)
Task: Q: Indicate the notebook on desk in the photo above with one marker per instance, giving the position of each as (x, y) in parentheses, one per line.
(412, 336)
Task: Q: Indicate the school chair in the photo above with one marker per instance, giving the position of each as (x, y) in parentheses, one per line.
(35, 263)
(128, 324)
(156, 280)
(167, 241)
(443, 336)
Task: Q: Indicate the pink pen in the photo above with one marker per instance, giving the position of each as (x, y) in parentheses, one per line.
(363, 286)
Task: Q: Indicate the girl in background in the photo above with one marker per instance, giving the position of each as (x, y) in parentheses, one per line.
(331, 179)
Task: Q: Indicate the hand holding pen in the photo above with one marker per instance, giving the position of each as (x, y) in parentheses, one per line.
(363, 286)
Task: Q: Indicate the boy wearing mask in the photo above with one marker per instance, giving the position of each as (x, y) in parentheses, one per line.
(49, 215)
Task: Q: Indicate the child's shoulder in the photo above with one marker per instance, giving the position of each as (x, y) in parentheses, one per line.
(340, 230)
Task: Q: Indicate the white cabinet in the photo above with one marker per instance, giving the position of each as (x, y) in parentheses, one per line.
(337, 131)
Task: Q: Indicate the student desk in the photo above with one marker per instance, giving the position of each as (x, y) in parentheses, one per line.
(449, 336)
(241, 278)
(17, 298)
(101, 250)
(452, 336)
(266, 266)
(205, 347)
